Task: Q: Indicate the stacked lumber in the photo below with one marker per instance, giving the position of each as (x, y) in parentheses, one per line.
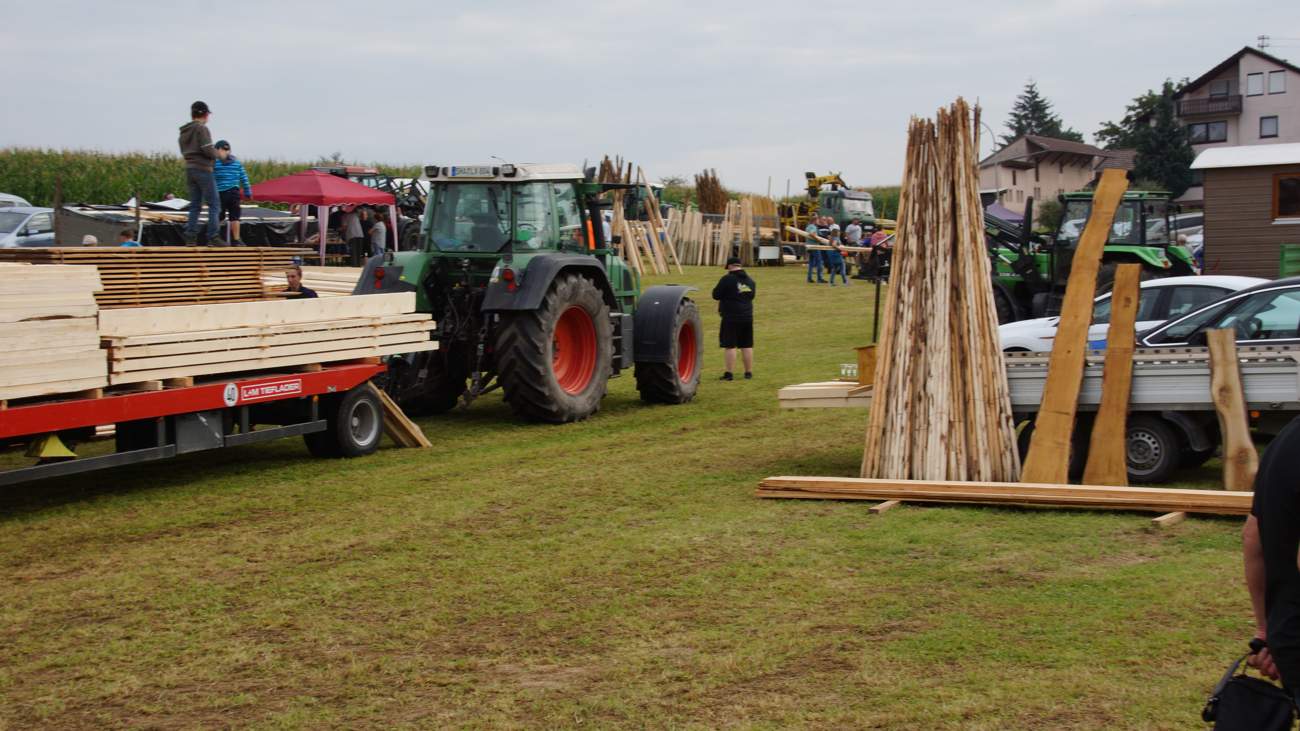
(168, 275)
(1152, 499)
(942, 410)
(48, 338)
(645, 241)
(326, 281)
(160, 343)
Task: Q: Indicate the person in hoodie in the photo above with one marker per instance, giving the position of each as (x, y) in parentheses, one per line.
(232, 180)
(735, 296)
(196, 147)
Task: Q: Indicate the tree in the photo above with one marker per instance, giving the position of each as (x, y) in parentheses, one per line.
(1050, 213)
(1164, 153)
(1032, 115)
(1123, 135)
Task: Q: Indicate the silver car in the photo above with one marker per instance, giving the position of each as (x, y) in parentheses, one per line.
(26, 226)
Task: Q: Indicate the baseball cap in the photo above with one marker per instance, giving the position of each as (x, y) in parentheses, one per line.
(733, 261)
(199, 108)
(222, 145)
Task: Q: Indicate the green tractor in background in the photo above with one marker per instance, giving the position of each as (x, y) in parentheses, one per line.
(1030, 270)
(529, 298)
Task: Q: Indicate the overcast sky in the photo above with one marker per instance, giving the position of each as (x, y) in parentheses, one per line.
(755, 89)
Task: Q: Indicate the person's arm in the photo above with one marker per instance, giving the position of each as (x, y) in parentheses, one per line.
(1256, 580)
(719, 289)
(244, 182)
(205, 143)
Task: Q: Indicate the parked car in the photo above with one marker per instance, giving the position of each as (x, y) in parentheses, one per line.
(10, 201)
(1266, 314)
(1159, 301)
(26, 226)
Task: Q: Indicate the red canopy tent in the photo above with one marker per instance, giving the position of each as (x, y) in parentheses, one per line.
(323, 190)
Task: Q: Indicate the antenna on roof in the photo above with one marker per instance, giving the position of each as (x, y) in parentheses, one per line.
(1262, 42)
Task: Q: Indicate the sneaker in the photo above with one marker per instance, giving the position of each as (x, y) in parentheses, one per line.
(748, 376)
(727, 377)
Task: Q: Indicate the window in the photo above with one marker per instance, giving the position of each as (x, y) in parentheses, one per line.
(1268, 127)
(41, 223)
(1204, 132)
(1218, 88)
(1146, 312)
(1286, 195)
(1038, 193)
(1198, 177)
(570, 219)
(533, 216)
(1277, 82)
(469, 217)
(1264, 316)
(1035, 173)
(1013, 177)
(1254, 84)
(1183, 300)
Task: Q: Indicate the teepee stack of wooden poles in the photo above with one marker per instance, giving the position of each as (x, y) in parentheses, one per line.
(941, 409)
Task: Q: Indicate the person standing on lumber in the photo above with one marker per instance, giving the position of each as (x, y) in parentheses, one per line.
(232, 180)
(293, 275)
(735, 295)
(814, 255)
(1271, 547)
(196, 147)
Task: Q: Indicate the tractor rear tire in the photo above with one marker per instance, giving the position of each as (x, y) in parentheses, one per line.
(676, 381)
(1003, 306)
(554, 362)
(355, 425)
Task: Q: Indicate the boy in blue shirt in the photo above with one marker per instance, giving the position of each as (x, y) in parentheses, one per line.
(126, 237)
(231, 179)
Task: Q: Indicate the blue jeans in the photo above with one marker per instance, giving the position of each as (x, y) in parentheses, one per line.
(837, 267)
(815, 261)
(202, 188)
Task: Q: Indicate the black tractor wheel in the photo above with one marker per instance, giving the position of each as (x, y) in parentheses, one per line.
(554, 362)
(676, 381)
(1155, 449)
(1003, 305)
(355, 424)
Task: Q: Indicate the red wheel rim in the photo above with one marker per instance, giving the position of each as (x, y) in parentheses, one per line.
(687, 352)
(573, 351)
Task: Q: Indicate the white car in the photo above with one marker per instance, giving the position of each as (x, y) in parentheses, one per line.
(1160, 300)
(11, 201)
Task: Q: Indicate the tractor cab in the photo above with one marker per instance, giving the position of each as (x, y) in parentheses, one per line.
(844, 205)
(1142, 219)
(480, 209)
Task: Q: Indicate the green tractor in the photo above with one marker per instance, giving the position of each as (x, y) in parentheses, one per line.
(529, 298)
(1030, 270)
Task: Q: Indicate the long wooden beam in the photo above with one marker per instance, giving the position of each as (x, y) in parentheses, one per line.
(1108, 448)
(183, 318)
(1160, 500)
(1240, 459)
(1048, 460)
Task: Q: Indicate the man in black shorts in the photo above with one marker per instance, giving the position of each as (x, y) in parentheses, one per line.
(1271, 544)
(735, 296)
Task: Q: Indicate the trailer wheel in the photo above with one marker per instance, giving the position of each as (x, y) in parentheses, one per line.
(1155, 449)
(676, 381)
(355, 424)
(554, 362)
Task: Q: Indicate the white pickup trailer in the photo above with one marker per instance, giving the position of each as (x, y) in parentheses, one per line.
(1171, 422)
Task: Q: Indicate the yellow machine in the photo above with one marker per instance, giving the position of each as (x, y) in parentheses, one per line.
(828, 195)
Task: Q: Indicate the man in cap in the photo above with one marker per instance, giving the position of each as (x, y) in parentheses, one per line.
(735, 296)
(196, 147)
(232, 180)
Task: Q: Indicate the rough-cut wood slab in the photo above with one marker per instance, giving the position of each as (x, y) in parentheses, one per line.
(1240, 459)
(1108, 448)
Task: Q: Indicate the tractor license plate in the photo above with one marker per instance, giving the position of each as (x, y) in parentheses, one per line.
(471, 171)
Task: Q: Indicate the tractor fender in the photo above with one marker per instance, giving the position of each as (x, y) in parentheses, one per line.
(535, 282)
(654, 322)
(1149, 257)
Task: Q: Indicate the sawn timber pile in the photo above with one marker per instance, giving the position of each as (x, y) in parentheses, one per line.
(169, 275)
(48, 340)
(155, 343)
(1153, 499)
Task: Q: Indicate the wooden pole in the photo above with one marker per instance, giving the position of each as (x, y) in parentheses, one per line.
(1107, 452)
(1049, 446)
(1240, 460)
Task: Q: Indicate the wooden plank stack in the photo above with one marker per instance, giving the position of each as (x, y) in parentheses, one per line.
(48, 338)
(326, 281)
(942, 410)
(160, 343)
(645, 242)
(168, 275)
(1153, 499)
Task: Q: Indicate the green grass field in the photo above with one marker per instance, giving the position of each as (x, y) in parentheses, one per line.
(616, 573)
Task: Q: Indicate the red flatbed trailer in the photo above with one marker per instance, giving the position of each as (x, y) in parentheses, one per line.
(331, 408)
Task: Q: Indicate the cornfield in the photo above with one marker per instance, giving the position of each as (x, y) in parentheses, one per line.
(89, 176)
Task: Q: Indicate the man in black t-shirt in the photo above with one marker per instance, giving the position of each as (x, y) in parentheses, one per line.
(1271, 544)
(735, 295)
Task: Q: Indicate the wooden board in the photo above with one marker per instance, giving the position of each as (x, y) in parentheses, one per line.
(397, 426)
(267, 363)
(182, 318)
(268, 339)
(1048, 460)
(1108, 451)
(1160, 500)
(1240, 459)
